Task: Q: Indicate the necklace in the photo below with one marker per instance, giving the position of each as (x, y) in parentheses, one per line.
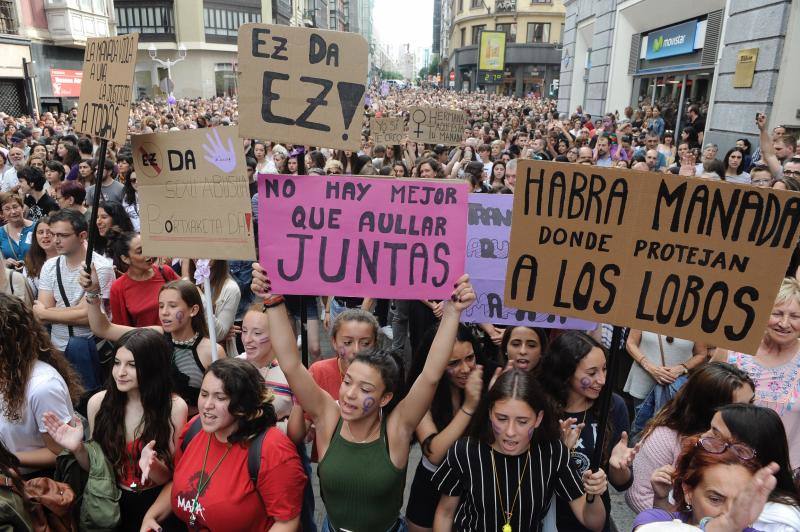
(507, 515)
(186, 343)
(201, 485)
(366, 437)
(583, 421)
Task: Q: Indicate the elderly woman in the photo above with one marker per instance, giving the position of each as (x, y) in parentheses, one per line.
(775, 366)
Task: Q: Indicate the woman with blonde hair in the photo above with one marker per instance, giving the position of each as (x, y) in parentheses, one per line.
(775, 366)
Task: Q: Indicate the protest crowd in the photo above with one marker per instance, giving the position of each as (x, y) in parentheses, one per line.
(174, 431)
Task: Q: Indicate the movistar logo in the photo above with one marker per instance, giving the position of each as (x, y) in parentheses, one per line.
(660, 42)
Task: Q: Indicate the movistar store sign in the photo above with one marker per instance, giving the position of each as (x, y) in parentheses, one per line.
(674, 40)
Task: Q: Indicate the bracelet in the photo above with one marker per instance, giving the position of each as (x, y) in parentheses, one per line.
(467, 413)
(685, 368)
(92, 296)
(272, 302)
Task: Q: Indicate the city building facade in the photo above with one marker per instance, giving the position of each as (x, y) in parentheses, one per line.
(533, 30)
(683, 52)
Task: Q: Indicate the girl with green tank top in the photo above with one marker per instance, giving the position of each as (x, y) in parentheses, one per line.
(363, 442)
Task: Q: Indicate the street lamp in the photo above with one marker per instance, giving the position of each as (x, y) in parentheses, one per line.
(168, 64)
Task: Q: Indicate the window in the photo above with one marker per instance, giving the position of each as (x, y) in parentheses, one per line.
(157, 22)
(463, 36)
(538, 32)
(8, 24)
(222, 24)
(561, 35)
(475, 4)
(510, 29)
(476, 33)
(460, 6)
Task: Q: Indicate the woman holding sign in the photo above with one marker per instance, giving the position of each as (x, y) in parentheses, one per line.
(775, 367)
(363, 442)
(183, 324)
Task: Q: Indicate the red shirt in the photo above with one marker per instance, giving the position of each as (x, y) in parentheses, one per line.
(327, 375)
(135, 303)
(230, 501)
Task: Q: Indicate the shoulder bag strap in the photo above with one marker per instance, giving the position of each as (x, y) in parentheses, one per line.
(191, 432)
(62, 291)
(254, 457)
(661, 350)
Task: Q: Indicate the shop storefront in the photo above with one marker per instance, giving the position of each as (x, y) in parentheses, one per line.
(674, 67)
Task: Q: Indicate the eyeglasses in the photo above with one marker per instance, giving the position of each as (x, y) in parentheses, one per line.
(718, 446)
(761, 182)
(792, 173)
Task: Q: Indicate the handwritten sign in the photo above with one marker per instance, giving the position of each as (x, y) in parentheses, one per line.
(488, 235)
(352, 236)
(302, 85)
(106, 87)
(387, 131)
(690, 258)
(194, 194)
(436, 125)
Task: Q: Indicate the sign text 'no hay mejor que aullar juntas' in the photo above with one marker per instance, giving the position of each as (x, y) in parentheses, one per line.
(690, 258)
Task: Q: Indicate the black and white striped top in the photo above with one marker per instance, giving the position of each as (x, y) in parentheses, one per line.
(467, 472)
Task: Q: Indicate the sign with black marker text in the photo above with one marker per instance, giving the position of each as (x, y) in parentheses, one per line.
(436, 125)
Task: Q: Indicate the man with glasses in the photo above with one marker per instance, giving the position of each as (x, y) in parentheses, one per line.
(69, 317)
(761, 177)
(792, 168)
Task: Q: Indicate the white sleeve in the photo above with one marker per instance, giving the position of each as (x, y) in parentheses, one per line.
(105, 275)
(226, 305)
(50, 395)
(47, 277)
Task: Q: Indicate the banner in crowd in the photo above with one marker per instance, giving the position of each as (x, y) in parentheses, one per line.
(194, 194)
(107, 87)
(388, 131)
(690, 258)
(302, 85)
(66, 83)
(436, 125)
(370, 237)
(488, 235)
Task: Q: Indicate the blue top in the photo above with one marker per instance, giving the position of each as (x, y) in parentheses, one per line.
(14, 250)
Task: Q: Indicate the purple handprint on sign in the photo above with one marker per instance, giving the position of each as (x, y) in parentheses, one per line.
(216, 154)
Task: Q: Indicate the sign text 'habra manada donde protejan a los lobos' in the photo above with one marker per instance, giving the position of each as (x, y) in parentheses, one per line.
(687, 257)
(359, 236)
(302, 85)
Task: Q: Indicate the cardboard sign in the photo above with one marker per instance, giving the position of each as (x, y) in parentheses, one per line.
(66, 83)
(194, 194)
(387, 131)
(690, 258)
(357, 236)
(488, 235)
(436, 125)
(302, 85)
(107, 87)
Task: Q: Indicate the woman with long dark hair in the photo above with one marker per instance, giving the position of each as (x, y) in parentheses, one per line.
(34, 378)
(43, 247)
(130, 200)
(709, 387)
(136, 420)
(523, 346)
(573, 373)
(111, 216)
(504, 475)
(211, 488)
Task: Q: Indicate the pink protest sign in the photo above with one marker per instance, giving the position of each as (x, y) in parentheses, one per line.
(362, 236)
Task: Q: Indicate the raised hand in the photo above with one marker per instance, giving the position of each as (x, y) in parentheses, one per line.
(749, 503)
(661, 481)
(217, 154)
(89, 282)
(473, 388)
(621, 455)
(463, 295)
(147, 459)
(69, 436)
(260, 284)
(570, 431)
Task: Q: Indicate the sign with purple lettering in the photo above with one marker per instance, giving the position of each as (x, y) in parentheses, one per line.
(488, 236)
(361, 236)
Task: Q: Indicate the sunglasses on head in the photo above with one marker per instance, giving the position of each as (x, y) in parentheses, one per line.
(717, 446)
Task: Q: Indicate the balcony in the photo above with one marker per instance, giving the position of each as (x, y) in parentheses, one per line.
(153, 20)
(8, 24)
(71, 22)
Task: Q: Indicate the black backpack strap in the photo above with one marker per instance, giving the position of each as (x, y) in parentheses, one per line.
(193, 430)
(254, 457)
(63, 292)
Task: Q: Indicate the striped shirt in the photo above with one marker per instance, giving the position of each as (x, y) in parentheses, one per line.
(467, 472)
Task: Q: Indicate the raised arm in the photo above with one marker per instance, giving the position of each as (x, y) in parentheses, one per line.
(98, 321)
(767, 148)
(405, 418)
(314, 400)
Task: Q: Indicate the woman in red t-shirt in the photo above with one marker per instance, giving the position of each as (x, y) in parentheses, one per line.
(211, 488)
(134, 296)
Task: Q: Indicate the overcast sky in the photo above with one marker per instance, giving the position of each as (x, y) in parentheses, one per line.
(399, 22)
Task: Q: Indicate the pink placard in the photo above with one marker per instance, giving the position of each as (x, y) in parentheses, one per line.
(361, 236)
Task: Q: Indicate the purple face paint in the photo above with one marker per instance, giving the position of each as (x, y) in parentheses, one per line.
(179, 316)
(496, 428)
(369, 402)
(585, 383)
(263, 340)
(530, 433)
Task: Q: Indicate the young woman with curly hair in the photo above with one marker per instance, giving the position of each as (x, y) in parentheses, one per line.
(34, 378)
